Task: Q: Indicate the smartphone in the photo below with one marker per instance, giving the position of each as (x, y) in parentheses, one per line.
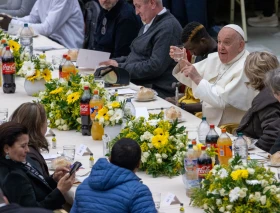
(75, 167)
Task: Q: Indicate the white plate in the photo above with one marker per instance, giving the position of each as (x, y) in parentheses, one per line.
(146, 100)
(180, 120)
(269, 164)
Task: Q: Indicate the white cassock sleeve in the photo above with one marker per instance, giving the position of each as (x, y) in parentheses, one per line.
(208, 92)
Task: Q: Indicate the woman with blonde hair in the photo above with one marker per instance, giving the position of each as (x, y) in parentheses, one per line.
(262, 120)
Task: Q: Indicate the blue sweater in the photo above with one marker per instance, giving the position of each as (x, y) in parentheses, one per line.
(112, 189)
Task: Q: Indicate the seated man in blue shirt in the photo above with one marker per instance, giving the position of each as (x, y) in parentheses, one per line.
(117, 26)
(149, 63)
(113, 186)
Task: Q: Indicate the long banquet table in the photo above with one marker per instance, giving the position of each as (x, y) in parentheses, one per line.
(160, 184)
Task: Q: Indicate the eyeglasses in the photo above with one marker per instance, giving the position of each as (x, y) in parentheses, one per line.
(103, 29)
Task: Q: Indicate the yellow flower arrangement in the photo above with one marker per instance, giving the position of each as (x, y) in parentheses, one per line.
(15, 46)
(62, 100)
(238, 188)
(163, 144)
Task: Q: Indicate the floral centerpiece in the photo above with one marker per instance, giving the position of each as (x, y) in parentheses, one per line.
(163, 144)
(35, 68)
(62, 100)
(237, 188)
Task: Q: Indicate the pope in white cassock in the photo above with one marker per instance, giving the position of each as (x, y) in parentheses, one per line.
(219, 80)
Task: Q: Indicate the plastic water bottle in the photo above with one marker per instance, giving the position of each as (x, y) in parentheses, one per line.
(241, 148)
(26, 39)
(129, 109)
(203, 130)
(191, 175)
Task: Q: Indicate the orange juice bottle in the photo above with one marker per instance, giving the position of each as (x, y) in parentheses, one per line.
(95, 104)
(97, 131)
(68, 68)
(224, 144)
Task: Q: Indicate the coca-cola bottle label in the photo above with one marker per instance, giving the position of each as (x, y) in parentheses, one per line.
(9, 68)
(84, 109)
(203, 170)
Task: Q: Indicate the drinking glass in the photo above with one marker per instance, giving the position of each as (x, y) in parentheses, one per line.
(192, 132)
(157, 199)
(179, 53)
(56, 60)
(3, 115)
(69, 152)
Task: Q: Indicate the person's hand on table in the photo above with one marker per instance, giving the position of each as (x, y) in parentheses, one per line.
(60, 172)
(65, 183)
(5, 20)
(110, 62)
(190, 71)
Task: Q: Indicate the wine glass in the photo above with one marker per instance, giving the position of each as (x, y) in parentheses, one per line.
(179, 52)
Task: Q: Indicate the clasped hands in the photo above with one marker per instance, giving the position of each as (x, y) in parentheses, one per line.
(186, 67)
(5, 21)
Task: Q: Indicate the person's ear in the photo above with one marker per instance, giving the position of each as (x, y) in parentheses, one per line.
(153, 4)
(6, 148)
(241, 46)
(202, 40)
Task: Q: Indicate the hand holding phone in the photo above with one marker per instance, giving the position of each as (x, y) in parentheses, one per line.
(75, 167)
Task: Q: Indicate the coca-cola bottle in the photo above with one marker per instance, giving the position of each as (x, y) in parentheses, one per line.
(211, 139)
(204, 164)
(8, 71)
(85, 112)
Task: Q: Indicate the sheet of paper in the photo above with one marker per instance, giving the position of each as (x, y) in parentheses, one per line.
(48, 156)
(123, 91)
(168, 199)
(81, 150)
(256, 157)
(142, 111)
(91, 58)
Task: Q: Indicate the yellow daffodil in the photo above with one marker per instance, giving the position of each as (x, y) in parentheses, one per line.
(14, 45)
(47, 75)
(36, 76)
(159, 141)
(238, 174)
(115, 104)
(56, 91)
(73, 97)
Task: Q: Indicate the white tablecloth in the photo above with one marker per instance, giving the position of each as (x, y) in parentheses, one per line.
(160, 184)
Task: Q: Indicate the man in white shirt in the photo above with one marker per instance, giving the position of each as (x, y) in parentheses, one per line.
(219, 80)
(61, 20)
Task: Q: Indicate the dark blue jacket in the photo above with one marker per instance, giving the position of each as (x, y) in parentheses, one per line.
(112, 189)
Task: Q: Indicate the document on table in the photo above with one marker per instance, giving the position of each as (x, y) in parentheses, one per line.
(91, 58)
(48, 156)
(141, 111)
(124, 91)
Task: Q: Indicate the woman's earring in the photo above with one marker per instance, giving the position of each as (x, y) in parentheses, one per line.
(7, 156)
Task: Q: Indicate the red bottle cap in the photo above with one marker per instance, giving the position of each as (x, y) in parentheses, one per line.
(95, 92)
(193, 142)
(7, 48)
(86, 87)
(203, 148)
(224, 130)
(212, 126)
(68, 58)
(64, 55)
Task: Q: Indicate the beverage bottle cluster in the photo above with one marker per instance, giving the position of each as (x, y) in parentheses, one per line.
(67, 68)
(61, 64)
(204, 164)
(26, 39)
(85, 111)
(211, 140)
(8, 71)
(241, 148)
(224, 148)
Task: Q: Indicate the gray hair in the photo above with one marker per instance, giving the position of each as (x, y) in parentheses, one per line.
(159, 2)
(273, 81)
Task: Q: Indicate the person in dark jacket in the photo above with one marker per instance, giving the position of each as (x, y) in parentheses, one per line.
(21, 182)
(117, 27)
(113, 186)
(262, 120)
(148, 62)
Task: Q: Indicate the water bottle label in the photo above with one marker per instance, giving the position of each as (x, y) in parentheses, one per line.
(9, 68)
(84, 109)
(190, 165)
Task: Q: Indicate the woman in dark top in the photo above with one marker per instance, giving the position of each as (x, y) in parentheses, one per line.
(262, 120)
(20, 181)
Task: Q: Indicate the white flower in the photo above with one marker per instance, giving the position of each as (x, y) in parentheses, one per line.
(229, 207)
(159, 160)
(242, 193)
(62, 121)
(222, 209)
(218, 202)
(150, 145)
(65, 127)
(52, 105)
(205, 206)
(253, 182)
(57, 122)
(118, 115)
(164, 156)
(69, 92)
(263, 200)
(222, 192)
(110, 112)
(158, 155)
(50, 114)
(130, 124)
(251, 171)
(257, 196)
(153, 122)
(101, 120)
(223, 173)
(79, 120)
(59, 128)
(146, 154)
(28, 68)
(143, 159)
(264, 183)
(234, 194)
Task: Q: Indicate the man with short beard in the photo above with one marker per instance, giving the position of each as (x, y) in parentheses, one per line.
(117, 26)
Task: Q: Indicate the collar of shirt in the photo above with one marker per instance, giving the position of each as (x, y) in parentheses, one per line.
(147, 26)
(2, 204)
